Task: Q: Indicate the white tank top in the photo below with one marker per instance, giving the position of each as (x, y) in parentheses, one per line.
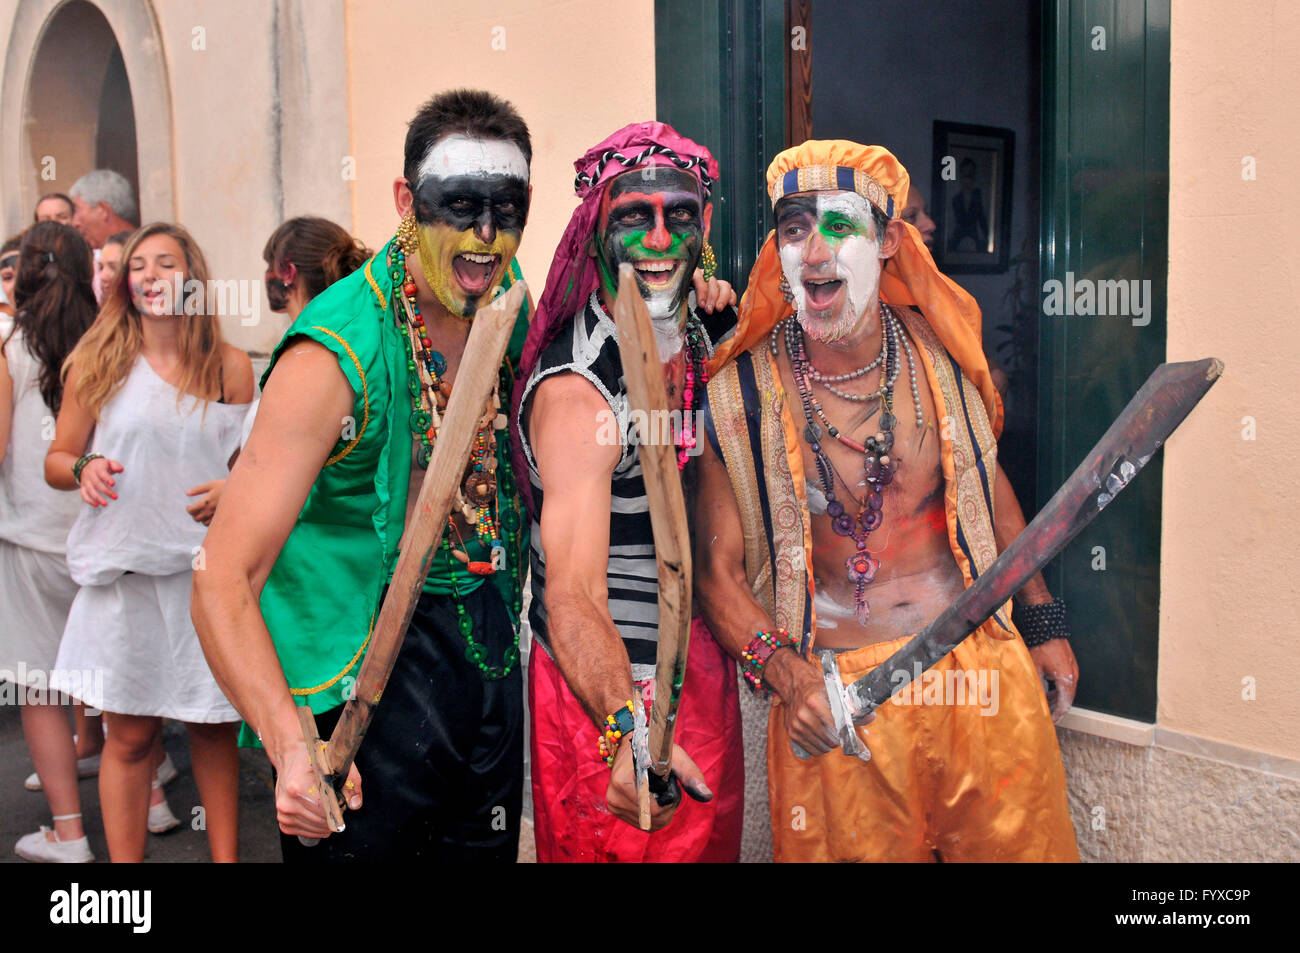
(164, 449)
(32, 513)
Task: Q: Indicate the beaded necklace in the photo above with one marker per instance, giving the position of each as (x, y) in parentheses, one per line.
(696, 370)
(477, 497)
(878, 467)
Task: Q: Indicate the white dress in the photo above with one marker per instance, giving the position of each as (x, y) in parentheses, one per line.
(130, 647)
(36, 590)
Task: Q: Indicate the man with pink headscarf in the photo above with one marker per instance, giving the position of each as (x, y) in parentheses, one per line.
(645, 202)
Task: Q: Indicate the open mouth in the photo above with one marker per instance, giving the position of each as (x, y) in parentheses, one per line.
(473, 271)
(657, 274)
(821, 292)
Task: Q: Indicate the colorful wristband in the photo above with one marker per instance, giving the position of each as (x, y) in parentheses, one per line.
(758, 651)
(81, 465)
(616, 726)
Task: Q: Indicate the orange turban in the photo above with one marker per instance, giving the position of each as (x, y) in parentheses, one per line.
(909, 276)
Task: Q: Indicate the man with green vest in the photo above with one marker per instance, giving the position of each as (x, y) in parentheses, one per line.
(306, 539)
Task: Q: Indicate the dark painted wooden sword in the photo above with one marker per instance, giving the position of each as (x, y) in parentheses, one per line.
(1151, 416)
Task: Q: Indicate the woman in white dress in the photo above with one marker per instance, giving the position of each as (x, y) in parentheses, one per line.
(55, 307)
(164, 397)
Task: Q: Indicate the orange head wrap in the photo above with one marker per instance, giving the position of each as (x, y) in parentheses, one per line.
(909, 276)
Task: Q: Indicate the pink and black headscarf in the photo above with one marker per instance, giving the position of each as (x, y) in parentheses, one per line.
(574, 274)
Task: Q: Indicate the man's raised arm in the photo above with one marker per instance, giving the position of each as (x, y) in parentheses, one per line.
(298, 424)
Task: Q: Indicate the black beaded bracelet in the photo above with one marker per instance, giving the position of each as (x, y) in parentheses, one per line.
(1041, 623)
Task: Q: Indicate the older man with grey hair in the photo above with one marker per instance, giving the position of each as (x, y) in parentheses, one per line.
(104, 204)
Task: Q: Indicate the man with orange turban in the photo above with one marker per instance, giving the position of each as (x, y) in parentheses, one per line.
(848, 494)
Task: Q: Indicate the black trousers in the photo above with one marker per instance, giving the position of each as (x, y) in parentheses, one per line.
(442, 761)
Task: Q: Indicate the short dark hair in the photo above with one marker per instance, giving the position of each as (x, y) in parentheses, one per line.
(118, 238)
(470, 112)
(72, 207)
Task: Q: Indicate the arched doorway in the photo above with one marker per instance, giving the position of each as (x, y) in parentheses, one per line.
(78, 113)
(75, 74)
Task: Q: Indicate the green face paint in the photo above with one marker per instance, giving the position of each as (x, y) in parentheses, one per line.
(654, 224)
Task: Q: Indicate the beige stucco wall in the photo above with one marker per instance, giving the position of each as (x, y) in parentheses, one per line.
(1229, 609)
(574, 78)
(241, 121)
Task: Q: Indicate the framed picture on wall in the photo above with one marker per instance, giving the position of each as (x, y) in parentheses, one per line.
(971, 197)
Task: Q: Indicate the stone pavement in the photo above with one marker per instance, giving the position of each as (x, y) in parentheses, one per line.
(22, 811)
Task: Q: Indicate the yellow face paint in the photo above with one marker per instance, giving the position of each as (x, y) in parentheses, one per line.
(462, 270)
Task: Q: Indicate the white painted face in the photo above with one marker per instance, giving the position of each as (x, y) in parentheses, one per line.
(461, 155)
(830, 254)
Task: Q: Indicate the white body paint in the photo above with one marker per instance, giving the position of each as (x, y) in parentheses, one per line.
(828, 610)
(816, 499)
(462, 155)
(854, 260)
(668, 336)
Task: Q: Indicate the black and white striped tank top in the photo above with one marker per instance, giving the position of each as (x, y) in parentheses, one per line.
(589, 346)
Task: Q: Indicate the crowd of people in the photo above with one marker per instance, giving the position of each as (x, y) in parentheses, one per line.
(118, 425)
(173, 548)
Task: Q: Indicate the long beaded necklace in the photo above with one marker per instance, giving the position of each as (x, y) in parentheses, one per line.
(878, 467)
(478, 494)
(696, 371)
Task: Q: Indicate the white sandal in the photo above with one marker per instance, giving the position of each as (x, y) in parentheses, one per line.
(161, 818)
(41, 849)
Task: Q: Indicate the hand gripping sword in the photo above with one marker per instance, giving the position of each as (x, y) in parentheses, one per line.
(652, 745)
(1151, 416)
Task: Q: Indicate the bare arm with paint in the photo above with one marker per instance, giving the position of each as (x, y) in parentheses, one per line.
(1055, 659)
(734, 616)
(576, 472)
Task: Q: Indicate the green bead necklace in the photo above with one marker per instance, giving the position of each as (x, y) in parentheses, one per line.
(423, 425)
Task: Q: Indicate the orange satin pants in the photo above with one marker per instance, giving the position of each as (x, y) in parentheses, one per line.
(967, 768)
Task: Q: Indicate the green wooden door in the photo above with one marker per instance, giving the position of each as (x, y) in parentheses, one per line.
(720, 79)
(1105, 220)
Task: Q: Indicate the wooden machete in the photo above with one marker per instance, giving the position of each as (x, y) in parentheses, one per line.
(648, 399)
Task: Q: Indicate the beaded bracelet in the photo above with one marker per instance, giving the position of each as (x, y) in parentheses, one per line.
(81, 465)
(1039, 624)
(616, 726)
(758, 651)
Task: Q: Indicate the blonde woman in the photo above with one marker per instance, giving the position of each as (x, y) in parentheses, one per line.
(152, 406)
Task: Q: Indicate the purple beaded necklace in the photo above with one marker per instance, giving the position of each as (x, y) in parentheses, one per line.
(877, 465)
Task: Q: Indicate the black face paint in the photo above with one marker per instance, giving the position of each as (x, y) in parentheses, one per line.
(792, 212)
(469, 227)
(651, 219)
(485, 203)
(277, 293)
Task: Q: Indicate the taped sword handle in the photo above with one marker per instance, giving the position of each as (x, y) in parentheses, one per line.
(317, 755)
(666, 791)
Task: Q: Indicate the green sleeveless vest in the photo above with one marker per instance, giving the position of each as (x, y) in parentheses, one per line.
(322, 596)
